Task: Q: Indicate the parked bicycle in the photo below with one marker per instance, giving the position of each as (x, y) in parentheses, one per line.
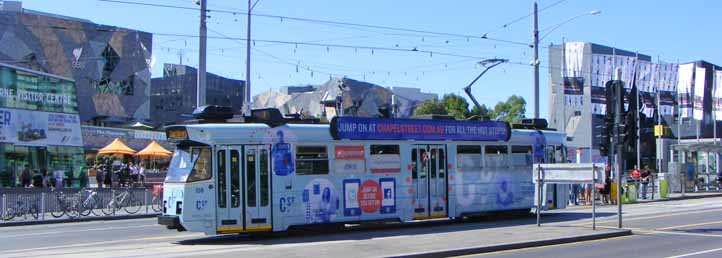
(123, 200)
(22, 208)
(64, 205)
(157, 201)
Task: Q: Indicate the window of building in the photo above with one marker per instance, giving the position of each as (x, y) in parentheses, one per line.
(311, 160)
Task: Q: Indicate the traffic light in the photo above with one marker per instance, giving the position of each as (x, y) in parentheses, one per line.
(607, 126)
(630, 120)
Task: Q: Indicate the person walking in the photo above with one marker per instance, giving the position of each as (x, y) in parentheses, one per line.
(26, 176)
(58, 175)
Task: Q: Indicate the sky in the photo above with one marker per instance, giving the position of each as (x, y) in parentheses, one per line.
(446, 61)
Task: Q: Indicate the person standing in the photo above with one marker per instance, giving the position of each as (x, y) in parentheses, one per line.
(107, 176)
(644, 178)
(26, 176)
(99, 175)
(58, 176)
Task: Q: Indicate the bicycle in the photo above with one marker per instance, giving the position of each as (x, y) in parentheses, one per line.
(65, 205)
(157, 201)
(22, 208)
(122, 201)
(88, 204)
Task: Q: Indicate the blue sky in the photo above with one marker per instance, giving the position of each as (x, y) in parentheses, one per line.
(668, 30)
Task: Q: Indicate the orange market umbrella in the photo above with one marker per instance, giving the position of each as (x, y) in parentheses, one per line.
(154, 150)
(116, 147)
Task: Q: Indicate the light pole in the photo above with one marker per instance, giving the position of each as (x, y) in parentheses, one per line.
(535, 46)
(201, 86)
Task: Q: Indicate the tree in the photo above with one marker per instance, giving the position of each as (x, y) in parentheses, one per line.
(512, 110)
(456, 106)
(484, 113)
(430, 107)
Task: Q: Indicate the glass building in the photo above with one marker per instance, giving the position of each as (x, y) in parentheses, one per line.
(39, 124)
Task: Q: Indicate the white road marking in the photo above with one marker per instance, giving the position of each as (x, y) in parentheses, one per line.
(71, 231)
(696, 253)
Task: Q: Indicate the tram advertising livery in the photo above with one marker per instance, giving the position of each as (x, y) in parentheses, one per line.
(250, 177)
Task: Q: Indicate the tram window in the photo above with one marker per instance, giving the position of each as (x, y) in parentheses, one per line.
(496, 156)
(221, 159)
(521, 155)
(202, 167)
(235, 179)
(251, 178)
(384, 149)
(311, 160)
(442, 163)
(384, 159)
(468, 158)
(414, 151)
(264, 177)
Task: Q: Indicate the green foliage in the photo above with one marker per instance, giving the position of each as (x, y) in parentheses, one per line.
(456, 106)
(512, 110)
(430, 107)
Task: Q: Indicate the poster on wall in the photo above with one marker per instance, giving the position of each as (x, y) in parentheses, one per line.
(717, 96)
(35, 128)
(684, 90)
(572, 77)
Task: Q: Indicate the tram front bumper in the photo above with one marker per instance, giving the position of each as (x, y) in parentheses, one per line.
(171, 222)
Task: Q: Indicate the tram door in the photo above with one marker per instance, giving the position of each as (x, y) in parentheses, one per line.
(429, 181)
(243, 192)
(257, 185)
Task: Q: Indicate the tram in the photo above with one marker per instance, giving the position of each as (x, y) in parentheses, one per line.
(271, 175)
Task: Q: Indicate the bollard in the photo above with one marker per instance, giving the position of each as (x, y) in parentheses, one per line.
(2, 212)
(42, 205)
(145, 199)
(112, 200)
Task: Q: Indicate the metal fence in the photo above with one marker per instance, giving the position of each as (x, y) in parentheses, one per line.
(34, 204)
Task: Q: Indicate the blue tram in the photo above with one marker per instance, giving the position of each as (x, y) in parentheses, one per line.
(250, 177)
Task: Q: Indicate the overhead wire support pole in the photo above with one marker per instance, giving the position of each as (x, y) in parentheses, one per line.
(201, 87)
(467, 89)
(247, 90)
(535, 61)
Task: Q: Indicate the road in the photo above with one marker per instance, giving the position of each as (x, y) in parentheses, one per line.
(661, 229)
(685, 229)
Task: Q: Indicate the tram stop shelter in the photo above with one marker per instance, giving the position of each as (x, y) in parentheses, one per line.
(694, 161)
(566, 173)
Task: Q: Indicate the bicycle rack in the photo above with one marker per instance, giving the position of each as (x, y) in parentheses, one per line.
(42, 205)
(145, 199)
(2, 211)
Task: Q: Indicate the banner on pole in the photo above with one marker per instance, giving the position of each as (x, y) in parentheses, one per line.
(602, 71)
(572, 76)
(699, 80)
(684, 90)
(717, 95)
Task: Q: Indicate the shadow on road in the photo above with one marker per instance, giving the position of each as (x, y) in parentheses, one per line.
(326, 233)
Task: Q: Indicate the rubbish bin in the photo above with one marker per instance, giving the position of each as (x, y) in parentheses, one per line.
(662, 183)
(630, 194)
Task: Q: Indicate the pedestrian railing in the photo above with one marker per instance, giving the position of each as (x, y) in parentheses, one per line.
(34, 204)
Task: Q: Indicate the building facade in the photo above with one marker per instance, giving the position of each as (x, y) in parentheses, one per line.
(577, 100)
(110, 65)
(173, 96)
(39, 124)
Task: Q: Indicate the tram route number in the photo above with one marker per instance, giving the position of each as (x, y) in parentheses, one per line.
(285, 204)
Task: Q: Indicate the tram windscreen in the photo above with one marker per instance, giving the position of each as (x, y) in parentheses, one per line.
(189, 165)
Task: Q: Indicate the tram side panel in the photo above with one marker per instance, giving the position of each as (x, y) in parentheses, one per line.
(352, 190)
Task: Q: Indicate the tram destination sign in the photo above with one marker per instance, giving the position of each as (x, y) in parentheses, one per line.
(364, 128)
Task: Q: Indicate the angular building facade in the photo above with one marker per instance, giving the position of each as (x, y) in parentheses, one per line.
(577, 100)
(110, 65)
(173, 96)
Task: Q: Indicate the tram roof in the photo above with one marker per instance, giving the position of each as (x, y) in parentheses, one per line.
(250, 133)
